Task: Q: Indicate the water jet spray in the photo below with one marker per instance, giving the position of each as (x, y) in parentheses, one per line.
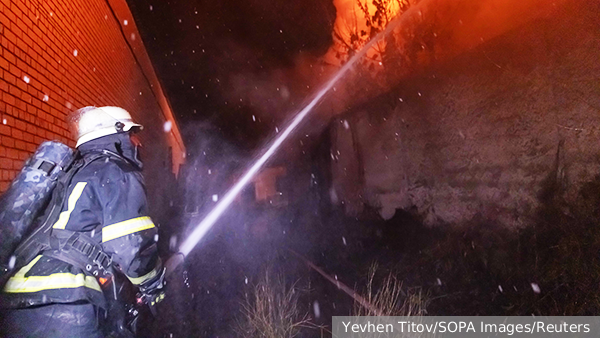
(202, 228)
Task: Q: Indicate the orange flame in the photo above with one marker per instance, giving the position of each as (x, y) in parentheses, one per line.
(452, 26)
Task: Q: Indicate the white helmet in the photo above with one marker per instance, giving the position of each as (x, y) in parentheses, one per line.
(90, 123)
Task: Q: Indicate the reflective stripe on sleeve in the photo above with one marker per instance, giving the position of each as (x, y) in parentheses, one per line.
(127, 227)
(63, 219)
(144, 278)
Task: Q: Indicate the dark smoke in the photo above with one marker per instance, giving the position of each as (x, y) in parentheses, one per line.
(200, 59)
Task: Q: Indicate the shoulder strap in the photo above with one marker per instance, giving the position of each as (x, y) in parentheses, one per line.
(77, 248)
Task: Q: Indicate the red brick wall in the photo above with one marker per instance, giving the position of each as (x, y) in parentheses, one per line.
(59, 55)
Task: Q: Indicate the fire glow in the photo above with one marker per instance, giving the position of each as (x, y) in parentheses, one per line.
(438, 31)
(351, 26)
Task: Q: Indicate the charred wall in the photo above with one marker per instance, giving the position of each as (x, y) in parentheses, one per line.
(483, 134)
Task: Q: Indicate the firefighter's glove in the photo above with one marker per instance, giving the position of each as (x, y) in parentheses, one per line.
(153, 291)
(151, 299)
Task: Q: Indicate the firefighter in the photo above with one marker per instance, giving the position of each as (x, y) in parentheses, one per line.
(58, 294)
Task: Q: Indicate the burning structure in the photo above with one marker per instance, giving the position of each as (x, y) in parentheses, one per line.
(486, 127)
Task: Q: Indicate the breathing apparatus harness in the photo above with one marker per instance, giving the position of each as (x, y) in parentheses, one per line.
(73, 247)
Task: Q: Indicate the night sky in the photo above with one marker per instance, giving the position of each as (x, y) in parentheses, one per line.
(198, 47)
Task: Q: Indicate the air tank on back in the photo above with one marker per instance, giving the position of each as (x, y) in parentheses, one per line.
(29, 194)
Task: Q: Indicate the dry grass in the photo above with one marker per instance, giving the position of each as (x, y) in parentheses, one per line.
(271, 311)
(390, 299)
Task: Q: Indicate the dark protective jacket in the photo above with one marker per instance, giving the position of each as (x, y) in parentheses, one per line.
(105, 200)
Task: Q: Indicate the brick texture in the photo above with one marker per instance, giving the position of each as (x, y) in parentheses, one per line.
(60, 55)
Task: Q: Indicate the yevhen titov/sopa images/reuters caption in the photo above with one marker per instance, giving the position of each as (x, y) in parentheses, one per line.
(475, 327)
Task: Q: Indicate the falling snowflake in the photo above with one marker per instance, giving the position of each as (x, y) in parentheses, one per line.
(346, 124)
(125, 22)
(535, 288)
(156, 238)
(215, 197)
(4, 121)
(46, 98)
(26, 79)
(11, 262)
(253, 118)
(167, 126)
(500, 288)
(246, 280)
(439, 282)
(69, 105)
(276, 130)
(344, 240)
(317, 309)
(151, 7)
(75, 52)
(133, 36)
(173, 242)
